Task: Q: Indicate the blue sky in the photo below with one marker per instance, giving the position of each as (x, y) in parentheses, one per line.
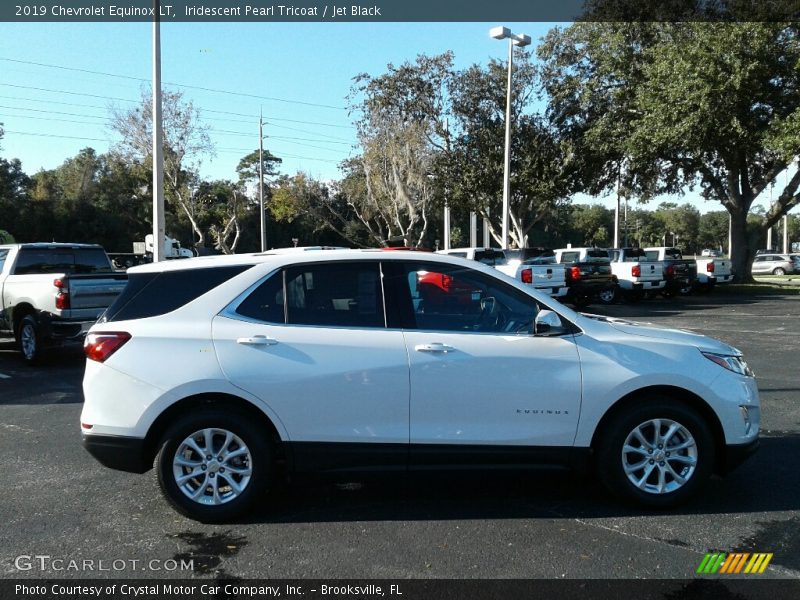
(299, 65)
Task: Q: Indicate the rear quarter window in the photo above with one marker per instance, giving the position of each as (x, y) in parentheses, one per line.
(154, 294)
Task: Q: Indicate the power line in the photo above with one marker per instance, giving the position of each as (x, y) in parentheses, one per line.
(225, 150)
(203, 110)
(181, 85)
(213, 131)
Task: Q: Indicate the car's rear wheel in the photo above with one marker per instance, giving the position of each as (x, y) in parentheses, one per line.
(28, 339)
(658, 454)
(778, 271)
(214, 465)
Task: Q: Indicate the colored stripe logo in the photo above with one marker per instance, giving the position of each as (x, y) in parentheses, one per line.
(734, 563)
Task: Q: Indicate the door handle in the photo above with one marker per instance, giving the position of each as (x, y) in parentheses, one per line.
(257, 340)
(434, 347)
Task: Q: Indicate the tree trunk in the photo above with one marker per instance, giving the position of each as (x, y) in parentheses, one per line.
(743, 247)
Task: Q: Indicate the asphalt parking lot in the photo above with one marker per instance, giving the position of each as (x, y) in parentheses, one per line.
(59, 502)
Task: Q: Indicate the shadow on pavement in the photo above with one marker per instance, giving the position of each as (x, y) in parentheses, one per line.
(766, 483)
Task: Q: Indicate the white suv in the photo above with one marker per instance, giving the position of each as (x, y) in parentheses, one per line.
(346, 361)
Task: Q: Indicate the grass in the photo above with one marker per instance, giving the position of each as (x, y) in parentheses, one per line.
(781, 277)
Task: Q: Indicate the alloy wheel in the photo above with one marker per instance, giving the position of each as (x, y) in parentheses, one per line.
(659, 456)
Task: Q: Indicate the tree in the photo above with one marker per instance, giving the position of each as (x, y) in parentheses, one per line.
(401, 127)
(186, 142)
(668, 106)
(541, 165)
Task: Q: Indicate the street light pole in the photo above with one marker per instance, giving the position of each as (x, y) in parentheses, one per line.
(261, 183)
(158, 147)
(500, 33)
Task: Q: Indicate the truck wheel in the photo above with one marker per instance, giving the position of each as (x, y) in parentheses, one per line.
(214, 465)
(608, 295)
(28, 339)
(668, 293)
(657, 454)
(687, 289)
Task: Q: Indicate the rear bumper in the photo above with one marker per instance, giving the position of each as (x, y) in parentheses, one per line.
(736, 454)
(117, 452)
(590, 289)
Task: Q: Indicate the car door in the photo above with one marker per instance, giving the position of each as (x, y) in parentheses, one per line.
(479, 377)
(311, 342)
(760, 264)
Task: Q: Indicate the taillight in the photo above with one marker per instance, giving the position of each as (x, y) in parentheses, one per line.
(527, 275)
(669, 272)
(574, 273)
(636, 271)
(710, 266)
(99, 346)
(62, 297)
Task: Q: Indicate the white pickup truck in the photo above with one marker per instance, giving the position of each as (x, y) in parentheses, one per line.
(534, 266)
(636, 273)
(711, 271)
(51, 294)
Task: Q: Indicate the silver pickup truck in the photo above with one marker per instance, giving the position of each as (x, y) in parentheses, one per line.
(51, 294)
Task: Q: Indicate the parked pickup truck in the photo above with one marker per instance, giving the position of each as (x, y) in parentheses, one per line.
(680, 273)
(534, 266)
(589, 275)
(51, 294)
(711, 271)
(636, 273)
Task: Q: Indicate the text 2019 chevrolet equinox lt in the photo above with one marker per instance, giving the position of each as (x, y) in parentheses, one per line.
(216, 369)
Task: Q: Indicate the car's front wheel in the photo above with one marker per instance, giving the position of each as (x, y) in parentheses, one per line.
(658, 454)
(214, 465)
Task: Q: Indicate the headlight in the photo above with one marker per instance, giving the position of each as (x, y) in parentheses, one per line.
(732, 363)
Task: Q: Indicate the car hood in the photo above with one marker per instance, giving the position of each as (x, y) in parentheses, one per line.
(678, 336)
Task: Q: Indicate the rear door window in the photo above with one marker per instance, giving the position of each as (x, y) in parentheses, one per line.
(335, 295)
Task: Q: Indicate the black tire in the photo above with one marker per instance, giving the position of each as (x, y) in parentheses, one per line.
(608, 296)
(610, 459)
(778, 271)
(687, 290)
(29, 340)
(669, 293)
(252, 437)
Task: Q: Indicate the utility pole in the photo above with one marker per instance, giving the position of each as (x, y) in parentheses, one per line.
(786, 234)
(158, 143)
(473, 229)
(616, 212)
(261, 182)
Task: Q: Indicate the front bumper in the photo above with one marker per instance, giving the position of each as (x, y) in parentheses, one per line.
(118, 452)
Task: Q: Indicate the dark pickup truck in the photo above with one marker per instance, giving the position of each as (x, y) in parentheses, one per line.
(589, 275)
(680, 273)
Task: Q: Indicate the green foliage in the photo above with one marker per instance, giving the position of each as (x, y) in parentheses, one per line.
(665, 106)
(6, 238)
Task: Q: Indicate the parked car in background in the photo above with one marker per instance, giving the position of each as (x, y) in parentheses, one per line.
(636, 273)
(535, 267)
(50, 294)
(774, 264)
(589, 275)
(713, 271)
(680, 273)
(289, 363)
(710, 252)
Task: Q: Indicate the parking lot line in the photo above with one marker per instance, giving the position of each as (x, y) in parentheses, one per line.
(4, 376)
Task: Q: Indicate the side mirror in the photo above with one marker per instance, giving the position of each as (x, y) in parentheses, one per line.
(548, 323)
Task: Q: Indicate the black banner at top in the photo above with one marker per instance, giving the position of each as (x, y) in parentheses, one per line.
(397, 10)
